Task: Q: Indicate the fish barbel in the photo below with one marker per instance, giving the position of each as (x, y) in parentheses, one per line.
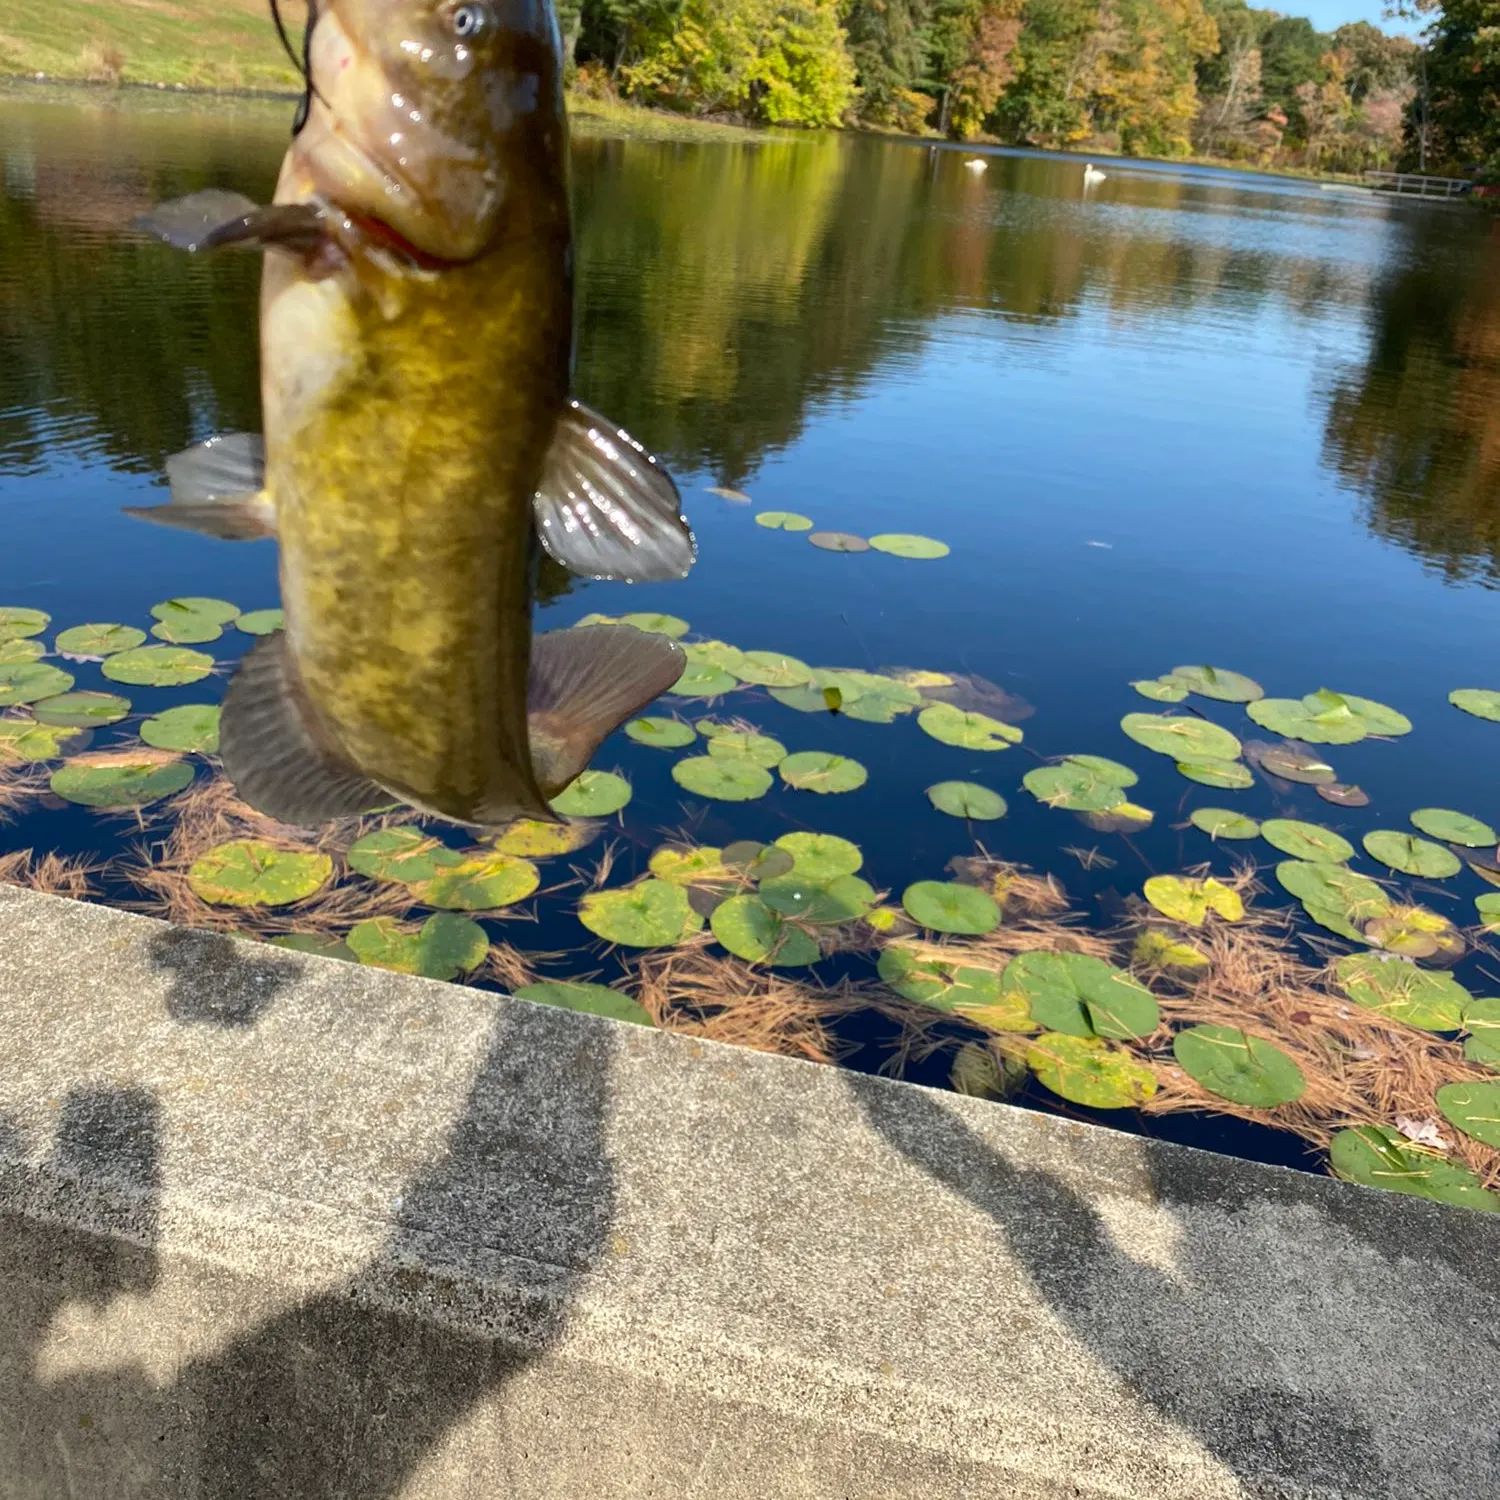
(419, 436)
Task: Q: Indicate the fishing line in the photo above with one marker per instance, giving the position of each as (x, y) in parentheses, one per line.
(302, 62)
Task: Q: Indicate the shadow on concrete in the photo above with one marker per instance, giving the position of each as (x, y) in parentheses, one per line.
(343, 1395)
(215, 983)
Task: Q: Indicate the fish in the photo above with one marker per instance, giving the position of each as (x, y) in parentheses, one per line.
(420, 440)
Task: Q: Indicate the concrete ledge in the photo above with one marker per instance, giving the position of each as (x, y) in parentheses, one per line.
(272, 1226)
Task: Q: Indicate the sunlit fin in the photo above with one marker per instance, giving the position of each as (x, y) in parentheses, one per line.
(606, 508)
(272, 755)
(216, 490)
(584, 684)
(214, 217)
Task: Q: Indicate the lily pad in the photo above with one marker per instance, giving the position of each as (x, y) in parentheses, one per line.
(538, 840)
(84, 710)
(650, 914)
(1296, 720)
(1104, 768)
(31, 681)
(760, 748)
(981, 1073)
(319, 944)
(1154, 949)
(220, 611)
(1075, 786)
(967, 799)
(158, 666)
(903, 544)
(99, 640)
(829, 692)
(17, 623)
(968, 731)
(725, 778)
(1411, 855)
(261, 621)
(247, 872)
(1290, 761)
(701, 681)
(1343, 795)
(22, 649)
(1473, 1108)
(1483, 703)
(1091, 1072)
(773, 669)
(686, 866)
(1181, 737)
(445, 946)
(758, 861)
(190, 727)
(945, 906)
(121, 779)
(1402, 992)
(657, 624)
(751, 930)
(946, 984)
(1226, 775)
(821, 857)
(187, 630)
(1377, 1156)
(1081, 996)
(595, 794)
(1306, 841)
(1378, 718)
(479, 882)
(1454, 827)
(1161, 689)
(1482, 1022)
(1128, 817)
(821, 771)
(591, 999)
(783, 520)
(1188, 900)
(718, 654)
(1219, 684)
(26, 742)
(405, 855)
(1415, 932)
(1333, 896)
(838, 541)
(665, 734)
(1239, 1067)
(1221, 823)
(844, 899)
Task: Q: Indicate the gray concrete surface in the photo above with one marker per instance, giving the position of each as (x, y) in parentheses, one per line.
(272, 1226)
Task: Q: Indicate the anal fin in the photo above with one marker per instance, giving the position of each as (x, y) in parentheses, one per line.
(274, 757)
(584, 683)
(215, 218)
(217, 490)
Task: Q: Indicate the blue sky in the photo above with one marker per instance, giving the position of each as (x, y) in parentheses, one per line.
(1328, 14)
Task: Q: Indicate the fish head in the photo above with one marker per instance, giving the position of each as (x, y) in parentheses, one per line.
(441, 121)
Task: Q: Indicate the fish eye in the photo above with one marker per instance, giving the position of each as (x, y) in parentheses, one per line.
(468, 21)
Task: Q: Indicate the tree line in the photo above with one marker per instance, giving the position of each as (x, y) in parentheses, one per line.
(1215, 78)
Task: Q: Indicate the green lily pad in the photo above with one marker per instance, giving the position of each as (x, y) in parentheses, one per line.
(261, 621)
(1221, 823)
(968, 731)
(187, 630)
(1081, 996)
(220, 611)
(1291, 762)
(1226, 775)
(1473, 1108)
(760, 748)
(158, 666)
(761, 861)
(829, 692)
(445, 946)
(191, 727)
(247, 872)
(689, 866)
(902, 544)
(838, 541)
(1219, 684)
(843, 899)
(1074, 786)
(31, 681)
(1188, 900)
(405, 855)
(594, 794)
(1483, 703)
(1306, 841)
(591, 999)
(23, 741)
(1127, 817)
(1454, 827)
(967, 799)
(99, 640)
(718, 654)
(319, 944)
(948, 985)
(1488, 906)
(85, 710)
(16, 622)
(1411, 855)
(724, 778)
(479, 882)
(1482, 1022)
(1378, 1156)
(119, 780)
(880, 707)
(1295, 719)
(1089, 1071)
(821, 771)
(783, 520)
(1334, 897)
(1377, 718)
(773, 669)
(701, 681)
(1154, 949)
(665, 734)
(657, 624)
(1403, 992)
(1161, 689)
(945, 906)
(22, 649)
(820, 857)
(1104, 768)
(1239, 1067)
(1415, 932)
(651, 914)
(1181, 737)
(752, 930)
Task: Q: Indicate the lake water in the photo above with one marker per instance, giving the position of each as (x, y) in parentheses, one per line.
(1184, 416)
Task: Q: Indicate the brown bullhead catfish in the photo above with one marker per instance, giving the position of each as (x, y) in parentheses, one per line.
(419, 436)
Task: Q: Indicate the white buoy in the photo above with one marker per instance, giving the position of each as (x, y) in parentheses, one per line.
(1092, 174)
(976, 164)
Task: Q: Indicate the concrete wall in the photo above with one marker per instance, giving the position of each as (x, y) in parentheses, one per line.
(272, 1226)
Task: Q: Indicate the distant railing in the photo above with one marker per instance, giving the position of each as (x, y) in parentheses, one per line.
(1418, 185)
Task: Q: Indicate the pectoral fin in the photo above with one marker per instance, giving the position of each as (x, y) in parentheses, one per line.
(273, 755)
(215, 218)
(606, 508)
(584, 684)
(216, 490)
